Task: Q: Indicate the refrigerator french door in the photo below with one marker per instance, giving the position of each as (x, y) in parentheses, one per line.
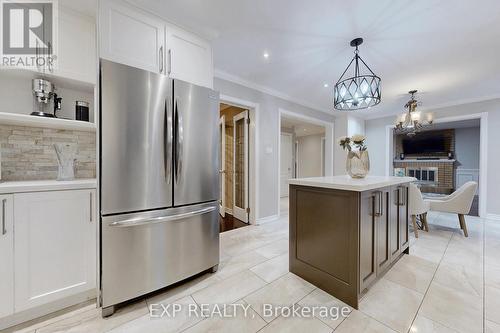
(159, 184)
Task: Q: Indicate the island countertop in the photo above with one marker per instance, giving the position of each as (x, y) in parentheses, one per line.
(351, 184)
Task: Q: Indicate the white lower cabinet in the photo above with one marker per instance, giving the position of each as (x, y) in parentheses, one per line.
(6, 256)
(54, 246)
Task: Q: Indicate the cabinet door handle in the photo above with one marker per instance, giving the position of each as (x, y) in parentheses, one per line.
(169, 61)
(161, 59)
(90, 206)
(4, 230)
(377, 202)
(380, 204)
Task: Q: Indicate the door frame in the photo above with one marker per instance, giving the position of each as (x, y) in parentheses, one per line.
(292, 155)
(222, 171)
(243, 115)
(483, 152)
(329, 144)
(253, 139)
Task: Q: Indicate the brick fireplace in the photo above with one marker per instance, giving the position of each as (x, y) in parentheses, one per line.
(436, 172)
(445, 182)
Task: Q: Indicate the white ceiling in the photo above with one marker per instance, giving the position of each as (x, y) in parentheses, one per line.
(447, 49)
(300, 127)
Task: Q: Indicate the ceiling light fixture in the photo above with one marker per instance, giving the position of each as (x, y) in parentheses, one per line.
(411, 122)
(360, 91)
(266, 55)
(325, 85)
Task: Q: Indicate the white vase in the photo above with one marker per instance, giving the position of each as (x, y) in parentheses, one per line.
(66, 161)
(358, 164)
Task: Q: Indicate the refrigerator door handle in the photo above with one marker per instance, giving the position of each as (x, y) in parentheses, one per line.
(162, 219)
(168, 142)
(179, 142)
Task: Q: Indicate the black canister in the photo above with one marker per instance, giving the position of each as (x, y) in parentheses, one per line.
(82, 111)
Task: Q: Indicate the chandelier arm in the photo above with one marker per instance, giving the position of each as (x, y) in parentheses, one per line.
(347, 68)
(364, 63)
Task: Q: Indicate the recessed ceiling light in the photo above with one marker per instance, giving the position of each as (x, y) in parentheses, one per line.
(325, 85)
(266, 54)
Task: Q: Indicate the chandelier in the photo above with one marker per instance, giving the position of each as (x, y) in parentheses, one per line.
(411, 122)
(360, 91)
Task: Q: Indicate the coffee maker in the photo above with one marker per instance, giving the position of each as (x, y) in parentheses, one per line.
(43, 92)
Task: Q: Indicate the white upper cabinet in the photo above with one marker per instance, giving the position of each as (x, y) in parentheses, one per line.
(136, 38)
(189, 57)
(77, 58)
(6, 256)
(131, 37)
(54, 246)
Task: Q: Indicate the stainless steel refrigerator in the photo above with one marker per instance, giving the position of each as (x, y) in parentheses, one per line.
(159, 182)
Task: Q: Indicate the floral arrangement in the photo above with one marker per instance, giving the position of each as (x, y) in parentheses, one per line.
(356, 141)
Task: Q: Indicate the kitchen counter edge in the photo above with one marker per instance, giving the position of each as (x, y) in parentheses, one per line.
(349, 184)
(8, 187)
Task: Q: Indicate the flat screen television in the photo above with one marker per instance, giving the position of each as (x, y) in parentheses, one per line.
(424, 145)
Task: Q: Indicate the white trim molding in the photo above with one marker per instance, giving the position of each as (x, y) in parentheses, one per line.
(483, 153)
(220, 74)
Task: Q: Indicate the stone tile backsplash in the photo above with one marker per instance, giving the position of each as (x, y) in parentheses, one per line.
(27, 153)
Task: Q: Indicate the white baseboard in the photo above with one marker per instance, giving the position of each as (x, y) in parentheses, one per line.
(228, 211)
(46, 309)
(267, 219)
(493, 217)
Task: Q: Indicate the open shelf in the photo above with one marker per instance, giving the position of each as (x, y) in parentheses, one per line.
(34, 121)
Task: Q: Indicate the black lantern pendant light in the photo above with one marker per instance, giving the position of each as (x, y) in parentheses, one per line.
(360, 91)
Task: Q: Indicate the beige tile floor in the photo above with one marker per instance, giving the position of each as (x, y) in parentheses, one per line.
(448, 283)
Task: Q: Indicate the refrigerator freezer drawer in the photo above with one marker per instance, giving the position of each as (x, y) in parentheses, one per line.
(145, 252)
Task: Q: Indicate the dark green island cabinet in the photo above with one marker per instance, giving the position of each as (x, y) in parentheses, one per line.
(346, 233)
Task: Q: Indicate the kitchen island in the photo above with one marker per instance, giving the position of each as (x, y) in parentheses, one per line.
(346, 233)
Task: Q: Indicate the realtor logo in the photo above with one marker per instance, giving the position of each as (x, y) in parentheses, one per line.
(29, 33)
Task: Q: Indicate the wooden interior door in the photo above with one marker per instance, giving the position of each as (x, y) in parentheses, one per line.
(240, 166)
(222, 166)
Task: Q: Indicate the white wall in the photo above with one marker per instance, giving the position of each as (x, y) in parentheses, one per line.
(376, 129)
(467, 142)
(268, 159)
(309, 156)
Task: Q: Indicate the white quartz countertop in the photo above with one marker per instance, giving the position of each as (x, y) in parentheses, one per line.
(46, 185)
(350, 184)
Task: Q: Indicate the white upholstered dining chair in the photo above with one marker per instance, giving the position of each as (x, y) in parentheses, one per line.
(459, 202)
(417, 207)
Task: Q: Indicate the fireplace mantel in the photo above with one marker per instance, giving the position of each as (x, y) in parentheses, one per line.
(424, 161)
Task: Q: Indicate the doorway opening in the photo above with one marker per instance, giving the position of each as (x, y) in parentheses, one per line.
(302, 153)
(442, 158)
(234, 168)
